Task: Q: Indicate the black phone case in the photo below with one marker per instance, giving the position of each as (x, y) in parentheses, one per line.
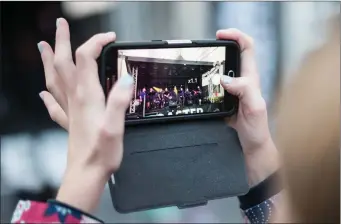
(183, 163)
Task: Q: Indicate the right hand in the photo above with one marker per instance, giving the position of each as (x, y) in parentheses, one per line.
(251, 121)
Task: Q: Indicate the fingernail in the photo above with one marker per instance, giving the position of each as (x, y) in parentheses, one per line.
(40, 47)
(125, 81)
(57, 22)
(111, 35)
(41, 95)
(226, 79)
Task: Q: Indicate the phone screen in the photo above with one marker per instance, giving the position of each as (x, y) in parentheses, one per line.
(172, 82)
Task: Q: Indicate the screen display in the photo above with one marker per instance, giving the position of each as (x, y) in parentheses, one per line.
(173, 81)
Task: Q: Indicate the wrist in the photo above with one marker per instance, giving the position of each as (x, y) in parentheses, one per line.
(263, 162)
(82, 187)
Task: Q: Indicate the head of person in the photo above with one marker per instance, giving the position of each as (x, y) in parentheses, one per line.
(166, 89)
(308, 133)
(151, 90)
(144, 89)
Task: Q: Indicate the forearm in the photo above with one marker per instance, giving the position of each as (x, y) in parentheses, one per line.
(82, 188)
(263, 163)
(265, 180)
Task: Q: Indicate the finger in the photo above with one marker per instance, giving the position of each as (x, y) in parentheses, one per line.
(56, 113)
(248, 64)
(63, 55)
(117, 104)
(245, 42)
(53, 82)
(63, 44)
(87, 54)
(91, 49)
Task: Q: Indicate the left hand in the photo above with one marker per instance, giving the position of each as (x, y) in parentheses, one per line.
(76, 101)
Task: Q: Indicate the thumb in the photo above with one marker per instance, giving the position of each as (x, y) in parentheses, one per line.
(247, 93)
(117, 104)
(236, 86)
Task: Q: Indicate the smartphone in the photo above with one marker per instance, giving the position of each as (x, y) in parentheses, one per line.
(173, 79)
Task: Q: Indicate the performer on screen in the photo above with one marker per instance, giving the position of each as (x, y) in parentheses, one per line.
(198, 95)
(142, 98)
(143, 95)
(173, 93)
(181, 95)
(187, 93)
(173, 100)
(188, 97)
(150, 99)
(162, 98)
(166, 97)
(157, 100)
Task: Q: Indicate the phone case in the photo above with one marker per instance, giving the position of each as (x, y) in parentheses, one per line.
(183, 163)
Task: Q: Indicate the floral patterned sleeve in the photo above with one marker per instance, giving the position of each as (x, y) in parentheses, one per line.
(50, 212)
(260, 203)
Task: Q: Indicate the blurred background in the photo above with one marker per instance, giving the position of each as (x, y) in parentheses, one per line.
(33, 148)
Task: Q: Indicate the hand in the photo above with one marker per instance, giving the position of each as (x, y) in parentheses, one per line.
(251, 121)
(76, 101)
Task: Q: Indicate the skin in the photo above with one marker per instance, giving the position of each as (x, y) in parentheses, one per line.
(251, 121)
(75, 100)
